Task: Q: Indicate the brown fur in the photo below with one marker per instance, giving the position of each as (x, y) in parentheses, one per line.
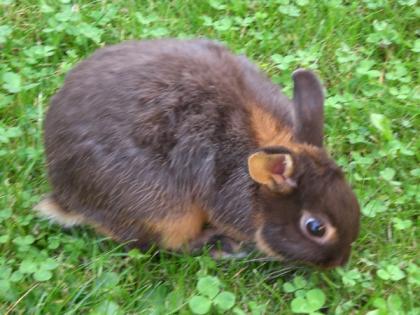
(144, 131)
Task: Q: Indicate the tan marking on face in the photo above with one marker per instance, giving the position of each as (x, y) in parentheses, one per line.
(264, 247)
(331, 236)
(178, 230)
(267, 129)
(331, 232)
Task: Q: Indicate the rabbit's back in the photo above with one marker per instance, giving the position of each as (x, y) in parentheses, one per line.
(141, 129)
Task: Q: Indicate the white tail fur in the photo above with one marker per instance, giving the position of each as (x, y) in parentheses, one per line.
(50, 209)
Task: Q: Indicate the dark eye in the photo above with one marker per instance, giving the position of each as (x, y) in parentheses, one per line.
(315, 227)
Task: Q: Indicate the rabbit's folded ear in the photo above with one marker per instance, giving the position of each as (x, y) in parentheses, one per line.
(308, 99)
(273, 170)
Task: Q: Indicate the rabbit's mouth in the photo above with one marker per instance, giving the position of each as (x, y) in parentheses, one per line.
(337, 261)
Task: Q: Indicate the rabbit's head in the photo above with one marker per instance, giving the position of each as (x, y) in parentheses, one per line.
(307, 211)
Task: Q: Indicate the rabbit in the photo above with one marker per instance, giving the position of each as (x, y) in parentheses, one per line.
(175, 143)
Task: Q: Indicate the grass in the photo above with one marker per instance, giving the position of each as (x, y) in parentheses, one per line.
(367, 55)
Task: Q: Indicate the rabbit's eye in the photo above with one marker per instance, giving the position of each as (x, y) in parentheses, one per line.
(315, 227)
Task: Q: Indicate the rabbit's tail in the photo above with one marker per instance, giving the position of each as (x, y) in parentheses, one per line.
(50, 209)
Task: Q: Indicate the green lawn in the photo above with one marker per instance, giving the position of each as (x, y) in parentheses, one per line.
(367, 54)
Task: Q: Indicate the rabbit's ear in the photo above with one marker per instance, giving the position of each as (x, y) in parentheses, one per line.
(272, 170)
(308, 99)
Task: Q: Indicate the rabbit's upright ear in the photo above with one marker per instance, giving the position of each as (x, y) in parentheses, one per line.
(272, 169)
(308, 99)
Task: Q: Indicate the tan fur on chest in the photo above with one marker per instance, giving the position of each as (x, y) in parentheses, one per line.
(267, 129)
(176, 231)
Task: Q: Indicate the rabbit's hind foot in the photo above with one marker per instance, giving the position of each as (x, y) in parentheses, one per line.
(51, 210)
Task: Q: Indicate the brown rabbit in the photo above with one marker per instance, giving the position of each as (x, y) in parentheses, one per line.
(174, 142)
